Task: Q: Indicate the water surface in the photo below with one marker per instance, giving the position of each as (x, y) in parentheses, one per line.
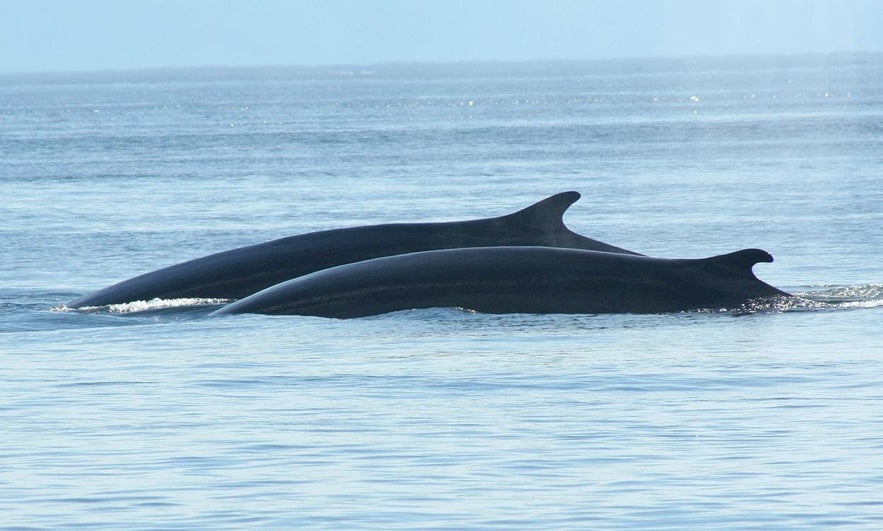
(156, 417)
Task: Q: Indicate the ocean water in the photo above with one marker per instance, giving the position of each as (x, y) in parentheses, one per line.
(156, 416)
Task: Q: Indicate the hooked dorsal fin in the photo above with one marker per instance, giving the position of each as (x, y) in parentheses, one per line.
(548, 212)
(739, 262)
(545, 219)
(738, 265)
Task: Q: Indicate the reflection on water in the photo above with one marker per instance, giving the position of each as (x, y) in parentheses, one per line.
(154, 415)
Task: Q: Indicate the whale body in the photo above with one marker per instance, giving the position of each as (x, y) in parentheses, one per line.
(536, 280)
(243, 271)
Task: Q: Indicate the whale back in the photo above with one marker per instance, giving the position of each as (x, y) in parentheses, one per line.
(517, 280)
(237, 273)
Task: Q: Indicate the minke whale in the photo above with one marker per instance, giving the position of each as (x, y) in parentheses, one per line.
(534, 280)
(243, 271)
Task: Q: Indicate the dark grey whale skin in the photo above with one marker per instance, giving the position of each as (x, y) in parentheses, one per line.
(535, 280)
(243, 271)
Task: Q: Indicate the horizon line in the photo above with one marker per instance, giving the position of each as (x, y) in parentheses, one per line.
(365, 68)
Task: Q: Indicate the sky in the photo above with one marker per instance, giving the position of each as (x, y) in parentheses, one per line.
(77, 35)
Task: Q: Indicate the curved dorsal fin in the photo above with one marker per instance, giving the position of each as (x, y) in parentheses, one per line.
(546, 219)
(738, 265)
(739, 262)
(548, 212)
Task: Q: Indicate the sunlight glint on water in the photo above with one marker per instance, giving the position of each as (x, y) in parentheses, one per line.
(154, 416)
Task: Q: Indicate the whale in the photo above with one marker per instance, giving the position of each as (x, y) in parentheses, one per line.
(524, 279)
(240, 272)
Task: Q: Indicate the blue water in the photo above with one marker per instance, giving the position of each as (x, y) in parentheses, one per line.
(155, 416)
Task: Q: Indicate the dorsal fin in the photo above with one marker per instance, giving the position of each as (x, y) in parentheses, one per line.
(548, 212)
(738, 265)
(739, 262)
(546, 219)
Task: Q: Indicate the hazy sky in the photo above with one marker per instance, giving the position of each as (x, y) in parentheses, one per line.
(39, 35)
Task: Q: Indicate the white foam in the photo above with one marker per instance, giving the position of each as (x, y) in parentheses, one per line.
(847, 294)
(143, 306)
(829, 298)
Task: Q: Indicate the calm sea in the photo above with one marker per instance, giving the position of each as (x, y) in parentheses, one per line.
(156, 417)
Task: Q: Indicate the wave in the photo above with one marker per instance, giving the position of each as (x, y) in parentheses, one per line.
(864, 293)
(812, 298)
(820, 298)
(26, 312)
(154, 305)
